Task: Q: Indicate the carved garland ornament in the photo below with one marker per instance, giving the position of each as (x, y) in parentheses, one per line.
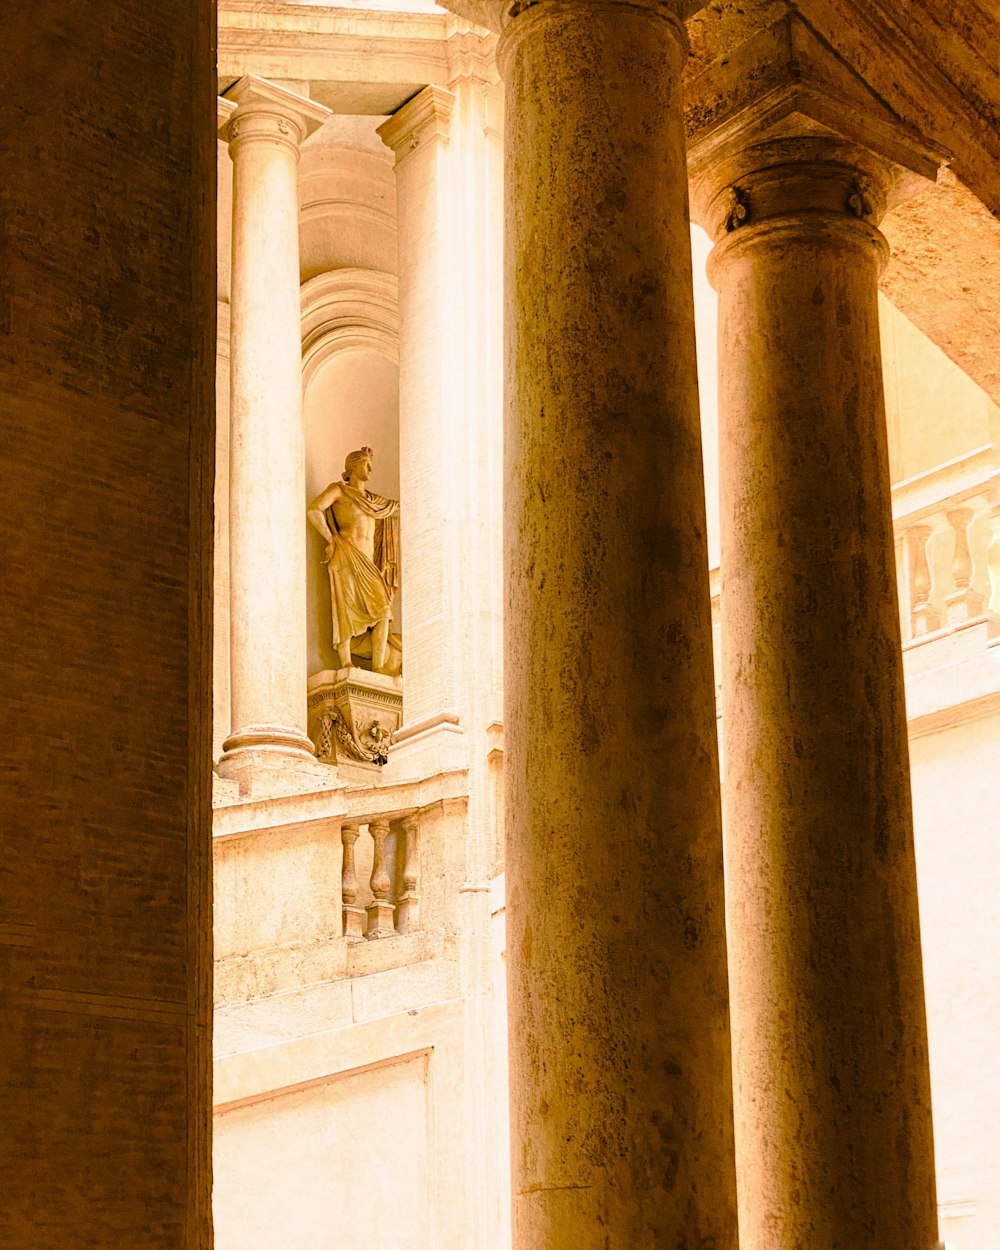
(372, 748)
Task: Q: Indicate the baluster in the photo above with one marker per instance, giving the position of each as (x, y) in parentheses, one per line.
(408, 909)
(993, 561)
(924, 617)
(963, 603)
(380, 910)
(354, 915)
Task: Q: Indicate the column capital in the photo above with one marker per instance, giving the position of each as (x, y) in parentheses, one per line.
(266, 111)
(224, 111)
(781, 99)
(421, 121)
(496, 14)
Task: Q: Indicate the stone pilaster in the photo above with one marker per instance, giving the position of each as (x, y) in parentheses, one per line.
(833, 1123)
(430, 448)
(268, 744)
(620, 1070)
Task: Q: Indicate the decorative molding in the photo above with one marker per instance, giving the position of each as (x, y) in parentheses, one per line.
(225, 110)
(447, 720)
(419, 123)
(353, 714)
(268, 112)
(472, 57)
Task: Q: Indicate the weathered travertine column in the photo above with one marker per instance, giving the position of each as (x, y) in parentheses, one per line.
(833, 1123)
(620, 1064)
(267, 463)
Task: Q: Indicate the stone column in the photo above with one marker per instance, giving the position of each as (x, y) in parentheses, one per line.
(833, 1122)
(621, 1111)
(267, 463)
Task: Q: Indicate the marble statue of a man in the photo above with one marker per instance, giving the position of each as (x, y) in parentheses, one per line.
(361, 530)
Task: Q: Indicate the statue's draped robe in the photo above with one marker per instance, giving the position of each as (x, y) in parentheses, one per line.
(361, 591)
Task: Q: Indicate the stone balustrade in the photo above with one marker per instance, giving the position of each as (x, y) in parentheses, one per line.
(947, 535)
(390, 902)
(945, 527)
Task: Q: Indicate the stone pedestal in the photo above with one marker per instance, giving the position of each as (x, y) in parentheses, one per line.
(833, 1123)
(266, 459)
(353, 714)
(621, 1111)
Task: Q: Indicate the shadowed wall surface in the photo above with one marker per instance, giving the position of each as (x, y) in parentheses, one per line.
(106, 373)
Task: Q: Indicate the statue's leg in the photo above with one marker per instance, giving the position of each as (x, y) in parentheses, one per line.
(380, 645)
(344, 654)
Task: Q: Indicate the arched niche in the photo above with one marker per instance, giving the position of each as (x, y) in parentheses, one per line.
(350, 378)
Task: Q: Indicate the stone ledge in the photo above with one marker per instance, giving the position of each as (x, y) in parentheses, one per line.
(281, 1068)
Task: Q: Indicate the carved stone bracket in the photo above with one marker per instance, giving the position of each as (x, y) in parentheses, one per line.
(353, 715)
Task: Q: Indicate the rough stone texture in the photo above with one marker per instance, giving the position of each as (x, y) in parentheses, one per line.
(106, 342)
(945, 276)
(833, 1127)
(620, 1073)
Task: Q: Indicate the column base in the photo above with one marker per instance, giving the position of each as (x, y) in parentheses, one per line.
(266, 761)
(962, 605)
(354, 923)
(380, 920)
(408, 913)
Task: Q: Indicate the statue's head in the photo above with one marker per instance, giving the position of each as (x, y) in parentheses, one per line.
(359, 460)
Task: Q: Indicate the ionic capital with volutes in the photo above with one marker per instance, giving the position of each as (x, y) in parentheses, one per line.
(804, 187)
(783, 134)
(269, 113)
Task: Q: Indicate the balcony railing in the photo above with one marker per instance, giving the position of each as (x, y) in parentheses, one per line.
(947, 532)
(390, 904)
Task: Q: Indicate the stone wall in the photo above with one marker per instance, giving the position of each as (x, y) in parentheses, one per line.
(106, 346)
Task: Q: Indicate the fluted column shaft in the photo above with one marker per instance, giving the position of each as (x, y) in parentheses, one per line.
(267, 463)
(620, 1064)
(833, 1126)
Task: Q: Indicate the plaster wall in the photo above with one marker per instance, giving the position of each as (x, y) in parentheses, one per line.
(934, 411)
(351, 1158)
(957, 826)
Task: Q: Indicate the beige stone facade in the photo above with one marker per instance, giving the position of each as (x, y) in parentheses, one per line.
(351, 1068)
(610, 922)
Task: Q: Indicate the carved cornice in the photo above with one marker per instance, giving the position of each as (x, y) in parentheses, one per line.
(472, 57)
(420, 122)
(934, 65)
